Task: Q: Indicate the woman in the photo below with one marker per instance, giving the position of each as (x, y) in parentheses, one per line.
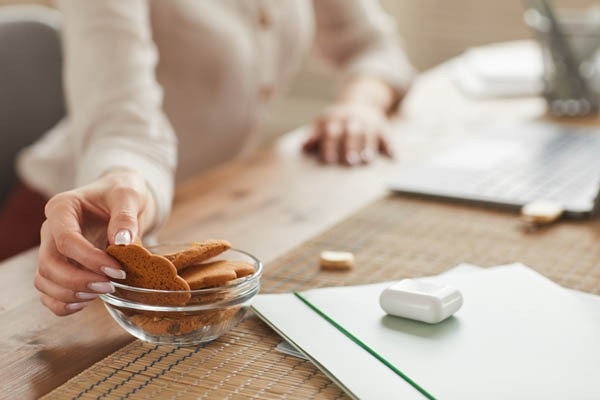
(158, 91)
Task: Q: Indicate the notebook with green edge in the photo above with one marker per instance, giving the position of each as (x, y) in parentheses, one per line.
(518, 336)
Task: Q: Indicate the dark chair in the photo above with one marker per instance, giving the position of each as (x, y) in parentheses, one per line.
(31, 95)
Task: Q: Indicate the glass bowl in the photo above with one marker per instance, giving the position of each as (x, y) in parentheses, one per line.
(207, 314)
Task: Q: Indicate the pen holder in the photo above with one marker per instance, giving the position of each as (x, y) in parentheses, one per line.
(570, 44)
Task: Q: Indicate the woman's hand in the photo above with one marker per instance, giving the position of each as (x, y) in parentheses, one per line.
(73, 267)
(354, 130)
(349, 133)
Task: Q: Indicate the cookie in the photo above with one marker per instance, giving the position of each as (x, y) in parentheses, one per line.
(336, 260)
(198, 252)
(147, 270)
(215, 273)
(183, 325)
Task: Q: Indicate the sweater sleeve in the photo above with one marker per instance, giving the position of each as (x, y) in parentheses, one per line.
(114, 101)
(358, 37)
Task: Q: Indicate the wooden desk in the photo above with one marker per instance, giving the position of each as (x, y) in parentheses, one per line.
(266, 204)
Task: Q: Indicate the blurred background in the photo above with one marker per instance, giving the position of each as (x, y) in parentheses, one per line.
(433, 31)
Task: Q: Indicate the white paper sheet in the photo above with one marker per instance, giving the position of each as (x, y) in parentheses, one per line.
(518, 336)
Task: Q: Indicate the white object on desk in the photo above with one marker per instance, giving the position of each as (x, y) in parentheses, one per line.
(520, 336)
(421, 301)
(541, 212)
(336, 260)
(511, 69)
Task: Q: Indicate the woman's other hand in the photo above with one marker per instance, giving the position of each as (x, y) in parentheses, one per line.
(350, 134)
(354, 130)
(73, 267)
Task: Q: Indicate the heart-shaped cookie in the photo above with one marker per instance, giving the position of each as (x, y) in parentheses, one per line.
(151, 271)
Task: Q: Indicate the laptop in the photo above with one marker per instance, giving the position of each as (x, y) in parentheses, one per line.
(510, 165)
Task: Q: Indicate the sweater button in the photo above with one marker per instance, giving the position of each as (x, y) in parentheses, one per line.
(264, 19)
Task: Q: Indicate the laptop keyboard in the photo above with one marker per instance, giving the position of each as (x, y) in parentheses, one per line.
(512, 164)
(562, 167)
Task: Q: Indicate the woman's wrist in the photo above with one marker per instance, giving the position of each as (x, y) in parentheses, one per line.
(372, 92)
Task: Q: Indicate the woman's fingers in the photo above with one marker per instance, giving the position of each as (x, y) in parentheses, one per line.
(61, 235)
(350, 134)
(311, 144)
(330, 141)
(59, 308)
(370, 147)
(385, 145)
(65, 286)
(73, 267)
(66, 295)
(126, 203)
(353, 142)
(130, 205)
(74, 279)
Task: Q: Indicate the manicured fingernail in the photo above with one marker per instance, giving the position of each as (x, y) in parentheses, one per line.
(367, 155)
(113, 272)
(352, 158)
(101, 287)
(75, 306)
(86, 295)
(123, 237)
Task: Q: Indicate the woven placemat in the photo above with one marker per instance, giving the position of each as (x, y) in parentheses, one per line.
(393, 238)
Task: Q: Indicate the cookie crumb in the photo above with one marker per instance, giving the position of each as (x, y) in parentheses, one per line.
(336, 260)
(541, 212)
